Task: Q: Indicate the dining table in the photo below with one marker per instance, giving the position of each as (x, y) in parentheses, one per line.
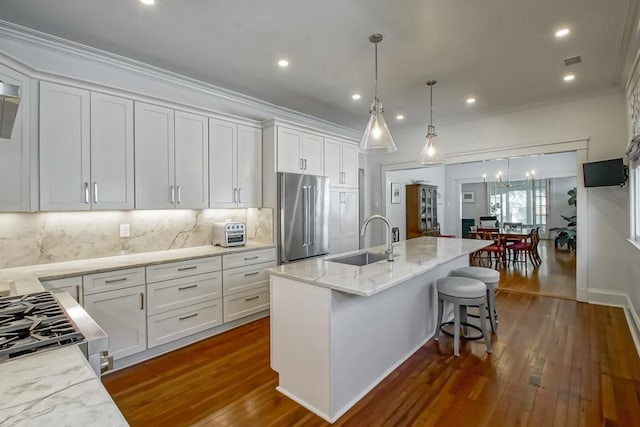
(503, 234)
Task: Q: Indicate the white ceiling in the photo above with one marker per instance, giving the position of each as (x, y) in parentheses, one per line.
(501, 51)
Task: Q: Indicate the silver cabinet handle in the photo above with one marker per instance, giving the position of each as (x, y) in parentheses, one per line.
(251, 274)
(86, 192)
(249, 258)
(252, 298)
(95, 191)
(301, 164)
(187, 287)
(239, 195)
(173, 195)
(179, 195)
(312, 218)
(122, 279)
(305, 164)
(141, 301)
(78, 293)
(193, 267)
(235, 195)
(188, 317)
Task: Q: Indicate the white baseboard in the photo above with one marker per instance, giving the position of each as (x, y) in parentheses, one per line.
(617, 299)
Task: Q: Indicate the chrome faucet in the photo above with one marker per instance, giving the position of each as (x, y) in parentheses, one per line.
(389, 250)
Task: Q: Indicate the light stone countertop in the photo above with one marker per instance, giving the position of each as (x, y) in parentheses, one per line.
(412, 258)
(55, 388)
(22, 280)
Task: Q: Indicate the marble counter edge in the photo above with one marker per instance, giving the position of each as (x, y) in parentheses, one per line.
(354, 291)
(19, 277)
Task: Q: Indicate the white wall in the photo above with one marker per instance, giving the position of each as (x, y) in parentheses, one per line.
(480, 206)
(600, 117)
(396, 213)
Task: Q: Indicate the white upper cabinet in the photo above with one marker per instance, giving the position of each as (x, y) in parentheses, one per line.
(111, 152)
(191, 161)
(300, 152)
(249, 167)
(86, 150)
(343, 221)
(154, 157)
(64, 148)
(172, 152)
(15, 152)
(341, 163)
(236, 165)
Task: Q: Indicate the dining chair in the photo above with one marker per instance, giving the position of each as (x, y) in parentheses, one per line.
(498, 248)
(528, 248)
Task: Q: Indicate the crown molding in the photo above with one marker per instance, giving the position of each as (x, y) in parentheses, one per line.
(62, 46)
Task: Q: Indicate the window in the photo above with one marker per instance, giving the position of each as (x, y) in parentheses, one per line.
(524, 202)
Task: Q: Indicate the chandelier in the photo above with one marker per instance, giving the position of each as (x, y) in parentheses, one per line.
(505, 182)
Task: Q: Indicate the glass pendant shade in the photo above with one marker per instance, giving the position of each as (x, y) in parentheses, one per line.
(431, 153)
(376, 136)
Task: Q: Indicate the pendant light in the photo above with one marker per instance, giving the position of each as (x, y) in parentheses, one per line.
(431, 153)
(376, 136)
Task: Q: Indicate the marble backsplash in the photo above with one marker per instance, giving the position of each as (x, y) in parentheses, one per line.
(43, 237)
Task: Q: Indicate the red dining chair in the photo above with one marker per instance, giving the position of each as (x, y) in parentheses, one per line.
(498, 248)
(527, 248)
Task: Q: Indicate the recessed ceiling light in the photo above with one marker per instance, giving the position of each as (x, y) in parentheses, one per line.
(283, 63)
(400, 117)
(471, 100)
(148, 2)
(562, 32)
(569, 77)
(355, 96)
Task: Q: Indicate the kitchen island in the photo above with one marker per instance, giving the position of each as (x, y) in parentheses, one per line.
(337, 330)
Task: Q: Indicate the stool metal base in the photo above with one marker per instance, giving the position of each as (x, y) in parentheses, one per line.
(463, 324)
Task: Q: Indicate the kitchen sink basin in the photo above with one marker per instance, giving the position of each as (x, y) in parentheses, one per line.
(363, 258)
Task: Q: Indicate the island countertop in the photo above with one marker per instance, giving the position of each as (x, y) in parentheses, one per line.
(411, 258)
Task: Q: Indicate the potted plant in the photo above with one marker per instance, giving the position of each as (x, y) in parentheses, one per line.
(567, 235)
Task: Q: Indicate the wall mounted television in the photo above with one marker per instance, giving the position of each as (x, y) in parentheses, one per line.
(605, 173)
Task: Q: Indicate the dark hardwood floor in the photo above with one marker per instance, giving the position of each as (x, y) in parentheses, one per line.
(556, 362)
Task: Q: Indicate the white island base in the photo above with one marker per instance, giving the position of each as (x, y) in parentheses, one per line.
(331, 347)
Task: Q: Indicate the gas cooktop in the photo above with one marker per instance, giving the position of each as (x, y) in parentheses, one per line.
(33, 322)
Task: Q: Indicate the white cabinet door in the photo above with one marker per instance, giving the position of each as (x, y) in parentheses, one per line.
(349, 221)
(332, 161)
(111, 152)
(289, 150)
(313, 153)
(70, 285)
(64, 148)
(249, 161)
(222, 161)
(123, 316)
(191, 161)
(154, 157)
(349, 165)
(15, 152)
(335, 228)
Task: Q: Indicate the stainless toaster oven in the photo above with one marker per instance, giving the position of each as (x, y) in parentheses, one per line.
(228, 234)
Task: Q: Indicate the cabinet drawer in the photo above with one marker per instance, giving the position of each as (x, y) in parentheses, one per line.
(111, 280)
(246, 303)
(176, 270)
(71, 285)
(247, 278)
(248, 258)
(177, 293)
(169, 326)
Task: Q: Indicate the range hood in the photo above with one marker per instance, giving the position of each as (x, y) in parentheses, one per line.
(9, 102)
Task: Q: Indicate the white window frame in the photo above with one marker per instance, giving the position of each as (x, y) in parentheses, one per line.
(635, 204)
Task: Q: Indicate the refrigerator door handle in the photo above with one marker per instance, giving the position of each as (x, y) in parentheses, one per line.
(312, 216)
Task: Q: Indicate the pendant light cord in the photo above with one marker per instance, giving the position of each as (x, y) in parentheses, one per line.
(431, 104)
(376, 68)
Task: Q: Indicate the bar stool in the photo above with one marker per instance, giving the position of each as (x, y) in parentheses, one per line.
(491, 278)
(462, 292)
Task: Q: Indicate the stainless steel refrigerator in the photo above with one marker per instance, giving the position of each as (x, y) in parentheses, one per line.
(303, 216)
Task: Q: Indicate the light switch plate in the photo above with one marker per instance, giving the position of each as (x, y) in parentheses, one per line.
(125, 231)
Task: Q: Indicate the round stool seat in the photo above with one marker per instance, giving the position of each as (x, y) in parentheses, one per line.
(489, 276)
(461, 287)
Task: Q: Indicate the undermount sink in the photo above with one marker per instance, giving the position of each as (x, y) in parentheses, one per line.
(363, 258)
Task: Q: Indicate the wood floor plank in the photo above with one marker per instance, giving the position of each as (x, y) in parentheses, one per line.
(555, 362)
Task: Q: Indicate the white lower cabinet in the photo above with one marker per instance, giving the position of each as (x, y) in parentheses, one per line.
(243, 304)
(178, 293)
(175, 324)
(122, 315)
(70, 285)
